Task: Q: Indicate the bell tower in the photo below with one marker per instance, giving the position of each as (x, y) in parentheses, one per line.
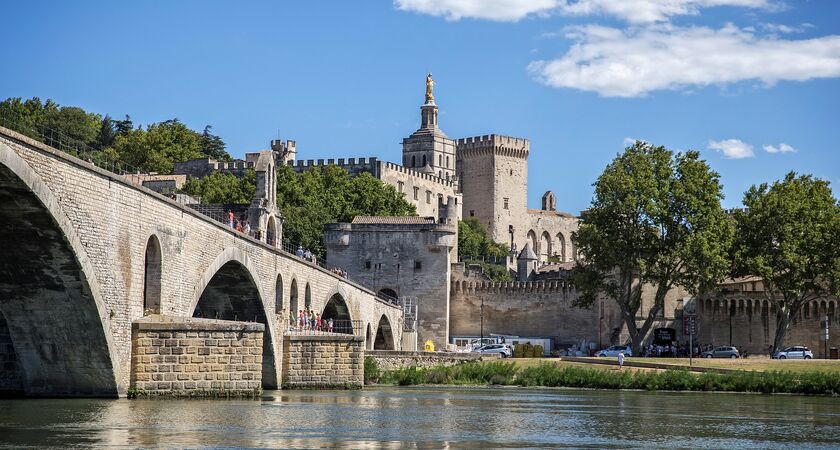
(429, 149)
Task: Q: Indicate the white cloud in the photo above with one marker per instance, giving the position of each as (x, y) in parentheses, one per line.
(732, 148)
(649, 11)
(633, 11)
(499, 10)
(637, 61)
(779, 28)
(782, 148)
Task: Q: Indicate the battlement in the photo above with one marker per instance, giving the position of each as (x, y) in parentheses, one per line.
(564, 288)
(425, 176)
(495, 143)
(354, 166)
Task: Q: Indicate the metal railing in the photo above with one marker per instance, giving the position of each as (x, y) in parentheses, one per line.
(338, 327)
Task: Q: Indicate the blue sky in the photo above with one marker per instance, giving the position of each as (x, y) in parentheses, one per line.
(344, 78)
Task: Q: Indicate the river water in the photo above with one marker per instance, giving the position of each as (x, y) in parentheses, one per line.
(431, 418)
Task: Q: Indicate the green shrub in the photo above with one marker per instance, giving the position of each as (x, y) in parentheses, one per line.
(372, 373)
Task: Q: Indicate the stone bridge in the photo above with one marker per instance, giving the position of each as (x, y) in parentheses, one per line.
(85, 253)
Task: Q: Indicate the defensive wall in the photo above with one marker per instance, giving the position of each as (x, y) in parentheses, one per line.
(87, 253)
(531, 308)
(747, 320)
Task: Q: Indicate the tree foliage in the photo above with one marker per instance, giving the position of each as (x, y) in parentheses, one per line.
(222, 188)
(154, 149)
(474, 244)
(789, 235)
(655, 222)
(319, 196)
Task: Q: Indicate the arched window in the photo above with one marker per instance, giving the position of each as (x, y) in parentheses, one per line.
(413, 161)
(447, 162)
(560, 252)
(545, 246)
(440, 160)
(151, 282)
(440, 174)
(424, 160)
(293, 298)
(307, 298)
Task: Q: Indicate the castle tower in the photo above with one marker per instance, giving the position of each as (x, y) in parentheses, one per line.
(429, 149)
(493, 174)
(526, 263)
(285, 153)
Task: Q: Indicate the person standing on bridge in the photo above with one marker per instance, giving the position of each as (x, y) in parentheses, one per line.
(230, 218)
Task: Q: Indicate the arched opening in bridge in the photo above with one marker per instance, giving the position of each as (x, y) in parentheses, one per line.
(388, 293)
(368, 342)
(293, 300)
(232, 294)
(336, 309)
(151, 283)
(271, 232)
(307, 297)
(52, 326)
(384, 336)
(278, 295)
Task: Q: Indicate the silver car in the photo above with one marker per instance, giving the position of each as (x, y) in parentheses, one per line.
(615, 350)
(722, 352)
(795, 352)
(503, 350)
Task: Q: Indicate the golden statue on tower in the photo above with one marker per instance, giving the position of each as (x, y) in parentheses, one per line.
(430, 83)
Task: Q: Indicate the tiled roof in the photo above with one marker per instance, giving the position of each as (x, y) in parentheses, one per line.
(394, 220)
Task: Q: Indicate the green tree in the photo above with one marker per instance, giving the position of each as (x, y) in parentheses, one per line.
(475, 246)
(158, 147)
(222, 188)
(107, 134)
(212, 145)
(73, 127)
(789, 235)
(655, 222)
(319, 196)
(125, 126)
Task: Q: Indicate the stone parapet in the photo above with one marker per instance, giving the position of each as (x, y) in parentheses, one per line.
(323, 361)
(392, 360)
(191, 357)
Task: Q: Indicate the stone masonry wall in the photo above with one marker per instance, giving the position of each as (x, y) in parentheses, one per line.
(323, 361)
(391, 360)
(406, 180)
(10, 381)
(109, 221)
(185, 357)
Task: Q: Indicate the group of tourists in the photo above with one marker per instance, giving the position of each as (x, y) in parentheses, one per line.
(310, 320)
(339, 271)
(241, 225)
(306, 255)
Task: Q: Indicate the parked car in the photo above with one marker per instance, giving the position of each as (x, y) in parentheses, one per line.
(795, 352)
(722, 352)
(503, 350)
(615, 350)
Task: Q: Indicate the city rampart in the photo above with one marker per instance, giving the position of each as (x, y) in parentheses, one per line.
(87, 253)
(392, 360)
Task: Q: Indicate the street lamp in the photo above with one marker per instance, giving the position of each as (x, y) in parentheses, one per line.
(481, 341)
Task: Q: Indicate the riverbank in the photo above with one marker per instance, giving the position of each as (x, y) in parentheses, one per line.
(577, 375)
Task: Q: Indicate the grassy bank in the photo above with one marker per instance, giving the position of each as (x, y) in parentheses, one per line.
(554, 375)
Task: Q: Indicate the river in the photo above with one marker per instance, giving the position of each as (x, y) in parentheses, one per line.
(431, 418)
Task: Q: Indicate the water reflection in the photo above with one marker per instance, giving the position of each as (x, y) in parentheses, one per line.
(430, 418)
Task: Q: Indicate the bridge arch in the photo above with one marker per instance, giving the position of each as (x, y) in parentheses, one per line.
(50, 298)
(278, 295)
(384, 336)
(338, 310)
(152, 272)
(230, 290)
(293, 299)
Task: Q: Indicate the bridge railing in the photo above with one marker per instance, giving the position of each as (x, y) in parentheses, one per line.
(338, 327)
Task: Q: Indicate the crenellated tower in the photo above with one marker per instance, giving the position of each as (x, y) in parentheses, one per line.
(429, 149)
(493, 170)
